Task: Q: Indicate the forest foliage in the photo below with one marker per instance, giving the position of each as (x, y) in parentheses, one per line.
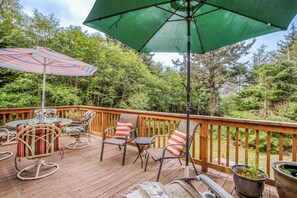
(222, 85)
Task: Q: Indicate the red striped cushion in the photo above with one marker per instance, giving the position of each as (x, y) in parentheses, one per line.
(122, 129)
(177, 138)
(40, 146)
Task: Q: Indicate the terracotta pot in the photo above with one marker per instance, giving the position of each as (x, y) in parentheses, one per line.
(248, 187)
(286, 185)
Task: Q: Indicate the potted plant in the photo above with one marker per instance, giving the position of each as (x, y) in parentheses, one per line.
(285, 175)
(249, 181)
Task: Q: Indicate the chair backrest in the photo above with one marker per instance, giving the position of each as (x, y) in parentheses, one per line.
(88, 118)
(129, 118)
(38, 140)
(50, 113)
(182, 127)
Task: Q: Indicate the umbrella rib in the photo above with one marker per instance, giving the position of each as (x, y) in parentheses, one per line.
(37, 60)
(174, 13)
(11, 57)
(267, 23)
(160, 27)
(199, 6)
(124, 12)
(175, 20)
(199, 37)
(49, 62)
(207, 12)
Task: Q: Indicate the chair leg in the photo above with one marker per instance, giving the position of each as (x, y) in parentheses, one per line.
(89, 137)
(160, 168)
(124, 155)
(120, 147)
(193, 164)
(101, 156)
(147, 158)
(180, 161)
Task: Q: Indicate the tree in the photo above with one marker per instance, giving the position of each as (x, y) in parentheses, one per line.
(288, 47)
(212, 70)
(262, 56)
(42, 29)
(12, 25)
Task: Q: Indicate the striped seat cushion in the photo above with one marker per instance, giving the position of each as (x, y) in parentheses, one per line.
(123, 129)
(177, 138)
(38, 142)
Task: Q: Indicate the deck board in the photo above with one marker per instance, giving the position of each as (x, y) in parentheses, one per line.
(81, 174)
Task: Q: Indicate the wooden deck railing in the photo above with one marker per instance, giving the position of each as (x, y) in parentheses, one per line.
(218, 142)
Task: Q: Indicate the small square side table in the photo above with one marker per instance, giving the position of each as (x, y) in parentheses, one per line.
(142, 143)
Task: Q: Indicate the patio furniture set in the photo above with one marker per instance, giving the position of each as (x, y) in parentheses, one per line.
(173, 150)
(125, 132)
(38, 140)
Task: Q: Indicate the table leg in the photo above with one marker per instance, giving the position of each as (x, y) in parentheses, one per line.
(140, 149)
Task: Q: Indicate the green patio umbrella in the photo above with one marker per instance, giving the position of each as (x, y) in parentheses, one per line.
(188, 26)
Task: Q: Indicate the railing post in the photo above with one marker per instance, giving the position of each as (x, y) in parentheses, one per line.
(103, 123)
(204, 145)
(139, 134)
(31, 114)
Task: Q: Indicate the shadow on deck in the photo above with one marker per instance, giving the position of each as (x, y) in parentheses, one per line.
(81, 174)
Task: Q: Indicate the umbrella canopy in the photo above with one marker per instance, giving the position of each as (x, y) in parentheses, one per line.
(160, 25)
(196, 26)
(43, 61)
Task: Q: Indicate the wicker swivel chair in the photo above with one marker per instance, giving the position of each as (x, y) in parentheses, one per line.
(79, 128)
(121, 142)
(6, 137)
(160, 154)
(37, 142)
(5, 154)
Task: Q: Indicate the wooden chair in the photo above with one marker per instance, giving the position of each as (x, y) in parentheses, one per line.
(160, 154)
(121, 142)
(79, 128)
(37, 142)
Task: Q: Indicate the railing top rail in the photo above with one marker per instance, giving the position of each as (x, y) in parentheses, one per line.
(32, 108)
(198, 118)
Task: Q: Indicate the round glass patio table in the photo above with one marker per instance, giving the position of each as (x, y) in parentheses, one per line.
(14, 124)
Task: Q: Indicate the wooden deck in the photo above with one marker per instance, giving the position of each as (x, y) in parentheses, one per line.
(81, 174)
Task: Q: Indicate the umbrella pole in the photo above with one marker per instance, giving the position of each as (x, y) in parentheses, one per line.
(43, 90)
(188, 19)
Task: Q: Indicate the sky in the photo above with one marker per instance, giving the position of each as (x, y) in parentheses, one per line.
(74, 12)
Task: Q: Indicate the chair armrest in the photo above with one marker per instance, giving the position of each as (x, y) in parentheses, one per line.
(77, 122)
(168, 145)
(132, 131)
(4, 129)
(105, 131)
(155, 136)
(129, 133)
(213, 186)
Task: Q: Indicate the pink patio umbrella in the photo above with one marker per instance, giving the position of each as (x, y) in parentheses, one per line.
(43, 61)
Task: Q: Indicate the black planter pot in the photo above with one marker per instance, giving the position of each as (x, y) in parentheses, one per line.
(286, 185)
(248, 187)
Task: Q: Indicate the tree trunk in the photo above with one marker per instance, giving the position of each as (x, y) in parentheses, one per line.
(213, 99)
